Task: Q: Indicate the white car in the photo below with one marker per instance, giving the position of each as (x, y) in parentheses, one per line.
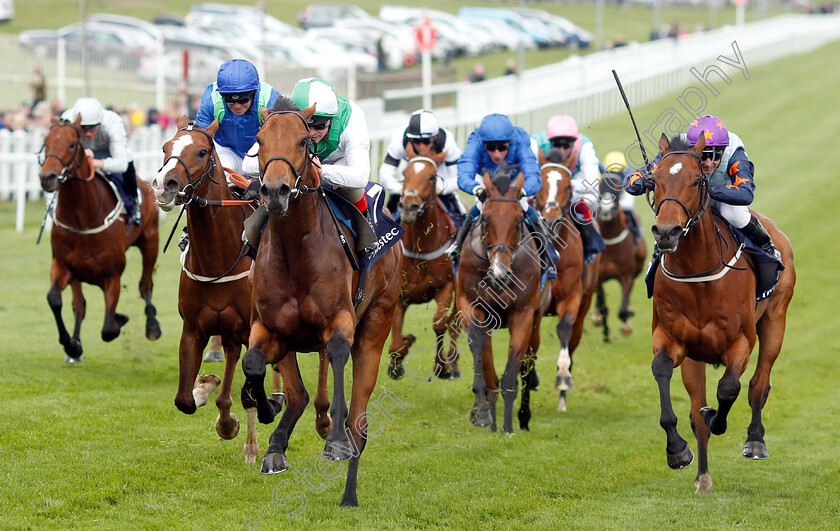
(7, 10)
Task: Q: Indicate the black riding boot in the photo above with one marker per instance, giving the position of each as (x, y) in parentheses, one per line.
(543, 232)
(130, 183)
(592, 241)
(758, 234)
(393, 203)
(455, 249)
(366, 242)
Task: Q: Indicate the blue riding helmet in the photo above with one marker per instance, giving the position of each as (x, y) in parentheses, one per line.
(236, 76)
(495, 128)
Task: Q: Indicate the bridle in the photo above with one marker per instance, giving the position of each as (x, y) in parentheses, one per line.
(67, 170)
(702, 203)
(307, 163)
(425, 200)
(187, 194)
(552, 204)
(494, 248)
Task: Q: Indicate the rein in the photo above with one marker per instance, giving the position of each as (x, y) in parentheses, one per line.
(707, 276)
(702, 196)
(424, 205)
(69, 170)
(307, 163)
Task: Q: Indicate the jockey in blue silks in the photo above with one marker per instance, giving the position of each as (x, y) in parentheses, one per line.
(495, 140)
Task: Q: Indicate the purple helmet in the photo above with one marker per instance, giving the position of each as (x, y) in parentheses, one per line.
(715, 131)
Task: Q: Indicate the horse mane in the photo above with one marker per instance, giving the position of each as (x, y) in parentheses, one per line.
(282, 103)
(555, 155)
(679, 142)
(501, 177)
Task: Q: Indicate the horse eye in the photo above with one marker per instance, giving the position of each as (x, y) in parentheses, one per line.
(72, 145)
(202, 153)
(697, 182)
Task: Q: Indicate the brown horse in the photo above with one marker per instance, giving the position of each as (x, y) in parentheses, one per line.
(498, 287)
(89, 238)
(571, 291)
(213, 296)
(622, 260)
(302, 297)
(705, 310)
(426, 271)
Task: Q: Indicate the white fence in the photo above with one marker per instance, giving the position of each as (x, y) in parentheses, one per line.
(580, 86)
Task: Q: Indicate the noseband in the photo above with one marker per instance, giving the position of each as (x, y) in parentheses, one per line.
(67, 170)
(307, 163)
(424, 205)
(187, 194)
(702, 195)
(510, 250)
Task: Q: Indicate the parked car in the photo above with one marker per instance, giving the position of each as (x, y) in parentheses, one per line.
(7, 10)
(321, 15)
(202, 69)
(576, 37)
(513, 20)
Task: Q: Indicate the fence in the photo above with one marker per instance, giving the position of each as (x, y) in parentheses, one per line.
(580, 86)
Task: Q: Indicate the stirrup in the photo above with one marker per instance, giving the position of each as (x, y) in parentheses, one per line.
(452, 251)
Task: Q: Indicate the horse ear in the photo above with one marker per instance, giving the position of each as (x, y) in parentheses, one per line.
(541, 156)
(264, 113)
(308, 112)
(701, 143)
(439, 157)
(183, 121)
(520, 181)
(488, 184)
(54, 120)
(409, 151)
(78, 121)
(664, 145)
(212, 128)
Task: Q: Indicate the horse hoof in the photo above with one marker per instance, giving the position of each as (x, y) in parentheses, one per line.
(214, 355)
(703, 484)
(227, 429)
(121, 319)
(561, 404)
(152, 330)
(72, 360)
(205, 384)
(456, 373)
(250, 451)
(755, 450)
(626, 329)
(410, 339)
(480, 417)
(274, 463)
(323, 425)
(349, 500)
(396, 372)
(73, 349)
(338, 450)
(110, 335)
(682, 459)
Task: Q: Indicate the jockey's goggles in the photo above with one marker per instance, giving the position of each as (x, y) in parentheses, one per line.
(320, 122)
(425, 141)
(89, 127)
(562, 142)
(714, 153)
(496, 146)
(242, 98)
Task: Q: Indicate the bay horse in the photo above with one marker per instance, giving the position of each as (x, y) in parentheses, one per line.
(499, 287)
(705, 309)
(302, 287)
(571, 291)
(426, 271)
(623, 259)
(89, 238)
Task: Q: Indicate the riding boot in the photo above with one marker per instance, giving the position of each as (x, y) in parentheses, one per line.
(592, 241)
(367, 242)
(130, 184)
(253, 229)
(756, 232)
(548, 265)
(393, 203)
(455, 249)
(633, 225)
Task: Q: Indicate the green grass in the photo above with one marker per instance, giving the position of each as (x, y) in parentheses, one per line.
(101, 445)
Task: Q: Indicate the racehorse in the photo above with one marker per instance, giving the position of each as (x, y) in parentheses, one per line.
(499, 286)
(302, 297)
(623, 259)
(89, 237)
(213, 295)
(571, 291)
(705, 309)
(426, 270)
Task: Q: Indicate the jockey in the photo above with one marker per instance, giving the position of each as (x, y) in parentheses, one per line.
(562, 134)
(235, 100)
(340, 147)
(615, 163)
(730, 171)
(495, 140)
(423, 131)
(105, 141)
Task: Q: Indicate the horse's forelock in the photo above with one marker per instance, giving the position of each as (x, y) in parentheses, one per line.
(555, 155)
(501, 177)
(284, 104)
(680, 143)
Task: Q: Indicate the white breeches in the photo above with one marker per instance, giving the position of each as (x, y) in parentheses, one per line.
(626, 201)
(229, 159)
(480, 205)
(737, 215)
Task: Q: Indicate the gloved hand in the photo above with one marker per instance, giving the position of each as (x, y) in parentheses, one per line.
(252, 193)
(522, 193)
(648, 182)
(480, 193)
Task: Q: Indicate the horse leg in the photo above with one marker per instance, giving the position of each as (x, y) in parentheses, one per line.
(148, 246)
(480, 413)
(253, 365)
(521, 329)
(564, 360)
(227, 425)
(367, 352)
(677, 449)
(451, 341)
(188, 399)
(491, 381)
(399, 343)
(323, 421)
(340, 339)
(59, 279)
(729, 385)
(251, 447)
(602, 311)
(113, 321)
(625, 313)
(440, 324)
(297, 398)
(79, 311)
(771, 332)
(530, 378)
(694, 380)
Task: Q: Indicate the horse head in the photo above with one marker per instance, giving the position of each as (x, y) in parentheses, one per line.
(681, 191)
(610, 190)
(284, 138)
(188, 159)
(555, 195)
(420, 184)
(63, 153)
(502, 220)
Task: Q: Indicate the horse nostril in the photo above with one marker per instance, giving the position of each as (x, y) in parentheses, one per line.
(171, 185)
(284, 190)
(674, 233)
